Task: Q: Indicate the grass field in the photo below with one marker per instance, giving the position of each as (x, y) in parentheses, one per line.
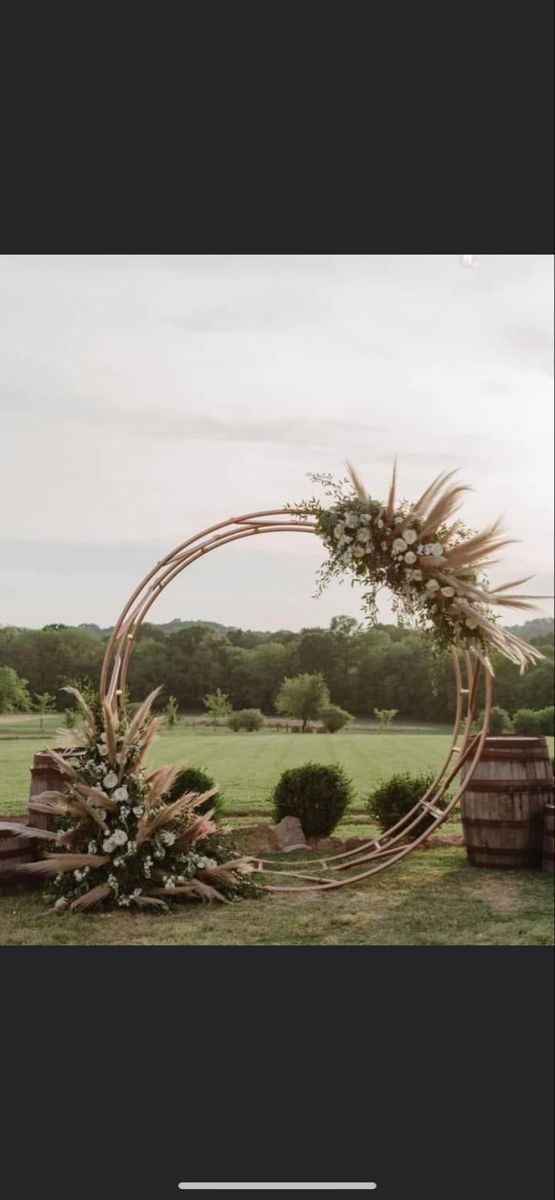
(432, 898)
(245, 766)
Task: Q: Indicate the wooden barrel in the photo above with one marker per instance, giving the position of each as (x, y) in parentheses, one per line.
(46, 776)
(502, 808)
(548, 855)
(15, 848)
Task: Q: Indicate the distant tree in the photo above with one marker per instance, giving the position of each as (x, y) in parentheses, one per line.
(171, 711)
(217, 704)
(384, 716)
(70, 717)
(303, 697)
(44, 703)
(14, 696)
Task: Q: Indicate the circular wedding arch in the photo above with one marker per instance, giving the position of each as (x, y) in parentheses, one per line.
(402, 838)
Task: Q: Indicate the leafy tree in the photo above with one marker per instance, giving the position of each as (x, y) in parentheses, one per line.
(171, 711)
(14, 696)
(44, 703)
(384, 716)
(303, 696)
(217, 704)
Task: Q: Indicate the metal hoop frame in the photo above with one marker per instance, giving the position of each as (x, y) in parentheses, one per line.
(378, 853)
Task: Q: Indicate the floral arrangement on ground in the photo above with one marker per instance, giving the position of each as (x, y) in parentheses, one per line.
(433, 565)
(121, 841)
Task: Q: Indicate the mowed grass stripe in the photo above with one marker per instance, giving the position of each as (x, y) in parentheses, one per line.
(247, 766)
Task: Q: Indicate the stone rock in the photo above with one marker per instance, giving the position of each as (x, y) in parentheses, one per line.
(326, 845)
(257, 839)
(289, 834)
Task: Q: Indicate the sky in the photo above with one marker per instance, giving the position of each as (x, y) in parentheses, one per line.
(143, 398)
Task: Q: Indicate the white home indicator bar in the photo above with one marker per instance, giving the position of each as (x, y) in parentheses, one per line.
(278, 1187)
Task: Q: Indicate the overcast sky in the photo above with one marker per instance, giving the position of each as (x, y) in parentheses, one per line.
(143, 398)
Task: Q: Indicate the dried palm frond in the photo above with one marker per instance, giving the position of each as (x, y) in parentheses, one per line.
(145, 743)
(225, 872)
(514, 583)
(195, 888)
(203, 827)
(189, 800)
(55, 864)
(358, 484)
(50, 802)
(390, 504)
(148, 902)
(445, 506)
(84, 709)
(510, 646)
(160, 781)
(92, 898)
(28, 831)
(423, 503)
(140, 718)
(110, 727)
(93, 795)
(65, 766)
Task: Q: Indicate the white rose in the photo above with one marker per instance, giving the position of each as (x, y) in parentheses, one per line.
(417, 574)
(359, 551)
(61, 903)
(121, 794)
(399, 546)
(471, 624)
(338, 530)
(410, 558)
(110, 780)
(119, 837)
(351, 520)
(108, 845)
(410, 536)
(363, 535)
(432, 585)
(448, 591)
(436, 550)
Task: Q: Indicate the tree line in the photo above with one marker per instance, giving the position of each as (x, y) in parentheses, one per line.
(384, 667)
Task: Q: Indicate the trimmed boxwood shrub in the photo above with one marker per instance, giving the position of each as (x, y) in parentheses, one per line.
(534, 722)
(334, 718)
(317, 795)
(393, 798)
(249, 719)
(193, 779)
(500, 722)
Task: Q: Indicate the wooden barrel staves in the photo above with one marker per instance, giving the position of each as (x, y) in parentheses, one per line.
(548, 856)
(46, 776)
(503, 806)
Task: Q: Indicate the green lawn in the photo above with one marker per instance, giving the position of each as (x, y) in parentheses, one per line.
(431, 898)
(245, 766)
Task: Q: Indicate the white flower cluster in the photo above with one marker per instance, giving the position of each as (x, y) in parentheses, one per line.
(117, 838)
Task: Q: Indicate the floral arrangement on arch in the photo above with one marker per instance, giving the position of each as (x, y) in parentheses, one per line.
(433, 565)
(122, 840)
